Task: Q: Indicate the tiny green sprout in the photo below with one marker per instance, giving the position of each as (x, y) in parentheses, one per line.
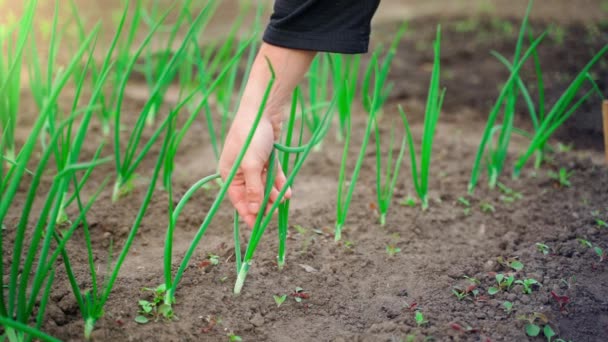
(214, 259)
(564, 148)
(509, 194)
(459, 294)
(487, 207)
(298, 295)
(223, 279)
(300, 230)
(504, 283)
(465, 202)
(234, 338)
(542, 248)
(548, 332)
(279, 299)
(155, 308)
(420, 320)
(349, 244)
(516, 265)
(584, 243)
(391, 250)
(409, 201)
(600, 253)
(528, 284)
(507, 306)
(141, 319)
(472, 280)
(562, 177)
(146, 307)
(532, 330)
(601, 223)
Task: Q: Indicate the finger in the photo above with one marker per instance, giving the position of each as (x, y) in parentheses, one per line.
(274, 196)
(249, 220)
(280, 182)
(254, 188)
(237, 197)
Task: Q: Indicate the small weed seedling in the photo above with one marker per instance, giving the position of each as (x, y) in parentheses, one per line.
(472, 280)
(532, 328)
(420, 320)
(155, 308)
(466, 204)
(409, 201)
(511, 263)
(562, 177)
(528, 284)
(234, 338)
(504, 284)
(563, 148)
(391, 250)
(214, 259)
(460, 294)
(299, 295)
(601, 223)
(507, 306)
(542, 248)
(562, 301)
(279, 299)
(584, 243)
(487, 207)
(600, 253)
(508, 195)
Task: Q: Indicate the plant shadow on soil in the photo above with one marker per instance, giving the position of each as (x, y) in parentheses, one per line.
(357, 292)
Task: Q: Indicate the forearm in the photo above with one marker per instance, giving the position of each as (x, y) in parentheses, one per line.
(290, 66)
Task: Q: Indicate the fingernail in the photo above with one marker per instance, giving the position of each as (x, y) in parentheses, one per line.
(254, 207)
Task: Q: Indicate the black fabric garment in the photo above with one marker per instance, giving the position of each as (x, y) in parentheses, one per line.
(341, 26)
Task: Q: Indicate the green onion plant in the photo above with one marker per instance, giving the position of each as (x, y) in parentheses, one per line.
(11, 59)
(345, 194)
(345, 71)
(421, 174)
(487, 134)
(285, 158)
(371, 104)
(564, 108)
(171, 282)
(127, 162)
(384, 191)
(266, 213)
(25, 282)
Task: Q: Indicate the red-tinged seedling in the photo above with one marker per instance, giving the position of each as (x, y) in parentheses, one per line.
(299, 294)
(562, 301)
(464, 329)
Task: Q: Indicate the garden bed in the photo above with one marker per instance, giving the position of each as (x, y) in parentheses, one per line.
(356, 289)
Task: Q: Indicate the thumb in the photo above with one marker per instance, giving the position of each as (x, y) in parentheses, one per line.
(254, 188)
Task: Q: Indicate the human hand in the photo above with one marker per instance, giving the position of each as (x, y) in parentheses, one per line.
(246, 192)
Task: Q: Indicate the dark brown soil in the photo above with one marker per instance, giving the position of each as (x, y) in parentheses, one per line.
(357, 292)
